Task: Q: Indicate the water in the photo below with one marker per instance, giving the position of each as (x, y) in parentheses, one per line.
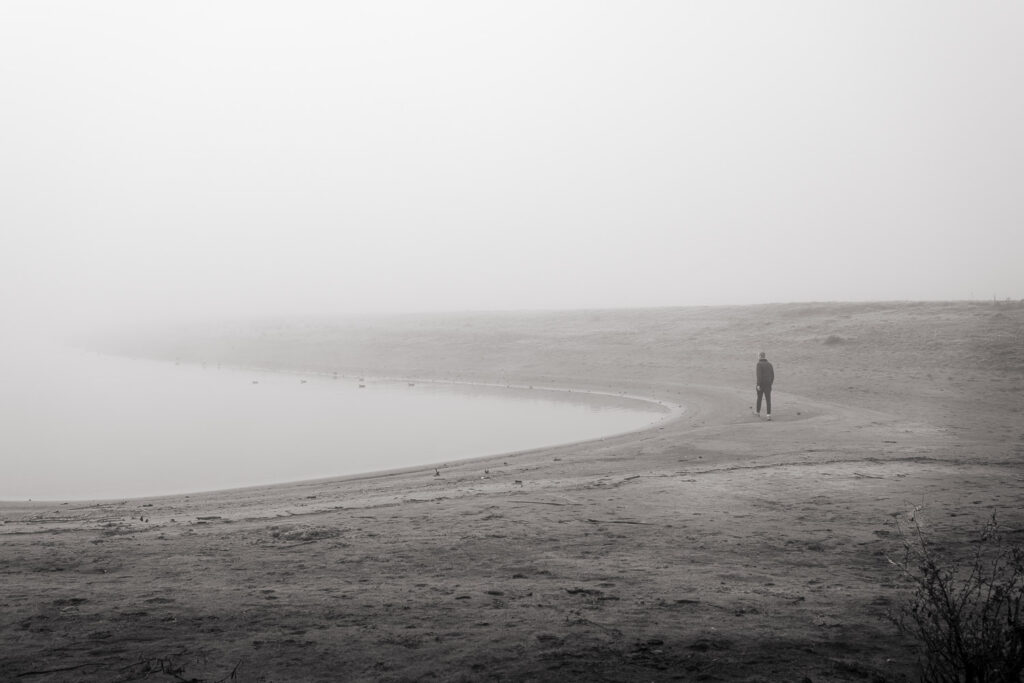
(76, 425)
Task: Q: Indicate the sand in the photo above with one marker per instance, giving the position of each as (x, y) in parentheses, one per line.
(718, 546)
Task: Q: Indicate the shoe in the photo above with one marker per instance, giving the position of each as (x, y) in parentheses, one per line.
(769, 417)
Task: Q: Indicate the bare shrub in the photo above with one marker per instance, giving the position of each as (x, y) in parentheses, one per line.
(966, 616)
(833, 339)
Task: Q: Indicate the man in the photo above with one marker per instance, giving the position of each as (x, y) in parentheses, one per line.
(765, 377)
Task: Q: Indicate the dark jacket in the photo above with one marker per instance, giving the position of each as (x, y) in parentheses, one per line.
(765, 374)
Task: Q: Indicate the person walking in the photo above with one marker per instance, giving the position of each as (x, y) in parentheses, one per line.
(765, 376)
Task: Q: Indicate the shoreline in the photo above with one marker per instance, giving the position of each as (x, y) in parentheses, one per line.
(286, 488)
(664, 413)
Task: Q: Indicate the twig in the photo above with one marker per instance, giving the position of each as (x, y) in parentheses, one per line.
(615, 521)
(231, 676)
(608, 629)
(542, 502)
(293, 545)
(51, 671)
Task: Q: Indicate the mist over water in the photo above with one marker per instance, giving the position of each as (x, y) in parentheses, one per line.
(78, 425)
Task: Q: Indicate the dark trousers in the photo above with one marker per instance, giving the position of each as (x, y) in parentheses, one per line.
(767, 393)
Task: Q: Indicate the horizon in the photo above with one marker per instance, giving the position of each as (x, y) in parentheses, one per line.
(98, 333)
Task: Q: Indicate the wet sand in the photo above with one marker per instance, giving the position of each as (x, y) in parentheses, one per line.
(718, 546)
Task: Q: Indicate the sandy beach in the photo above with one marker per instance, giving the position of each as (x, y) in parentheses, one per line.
(716, 547)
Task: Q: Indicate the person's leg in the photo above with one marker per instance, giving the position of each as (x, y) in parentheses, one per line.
(760, 393)
(768, 400)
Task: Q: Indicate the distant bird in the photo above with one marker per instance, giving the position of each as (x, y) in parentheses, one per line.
(255, 381)
(302, 381)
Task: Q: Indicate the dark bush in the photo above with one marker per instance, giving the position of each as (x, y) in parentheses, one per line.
(965, 615)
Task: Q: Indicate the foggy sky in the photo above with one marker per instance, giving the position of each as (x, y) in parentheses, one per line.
(203, 158)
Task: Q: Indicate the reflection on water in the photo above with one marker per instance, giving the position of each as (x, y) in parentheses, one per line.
(75, 425)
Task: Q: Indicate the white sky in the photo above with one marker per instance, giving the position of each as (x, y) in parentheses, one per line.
(208, 158)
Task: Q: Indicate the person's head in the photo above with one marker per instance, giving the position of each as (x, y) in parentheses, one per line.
(763, 357)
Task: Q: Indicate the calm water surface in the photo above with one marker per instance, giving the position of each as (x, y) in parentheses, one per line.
(77, 425)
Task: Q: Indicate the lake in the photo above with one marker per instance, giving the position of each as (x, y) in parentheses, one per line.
(76, 425)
